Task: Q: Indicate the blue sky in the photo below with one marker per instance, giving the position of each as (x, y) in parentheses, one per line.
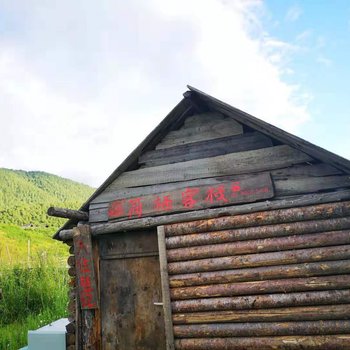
(98, 76)
(320, 32)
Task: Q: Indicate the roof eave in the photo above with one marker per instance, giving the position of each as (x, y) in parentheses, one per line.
(176, 116)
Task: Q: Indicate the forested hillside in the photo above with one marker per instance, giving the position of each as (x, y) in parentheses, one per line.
(33, 276)
(25, 197)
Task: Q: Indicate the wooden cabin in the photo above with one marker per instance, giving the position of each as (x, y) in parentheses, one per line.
(220, 231)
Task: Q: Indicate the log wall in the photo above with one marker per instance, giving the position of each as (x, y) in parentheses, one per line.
(274, 279)
(72, 334)
(271, 279)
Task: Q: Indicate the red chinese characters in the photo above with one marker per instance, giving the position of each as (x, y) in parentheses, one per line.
(135, 207)
(86, 297)
(216, 194)
(116, 209)
(235, 188)
(188, 197)
(204, 195)
(84, 266)
(165, 203)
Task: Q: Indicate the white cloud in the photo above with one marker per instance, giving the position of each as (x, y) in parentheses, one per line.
(324, 60)
(82, 84)
(293, 13)
(238, 67)
(303, 36)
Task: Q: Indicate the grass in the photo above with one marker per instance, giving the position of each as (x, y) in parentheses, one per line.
(14, 336)
(34, 283)
(19, 246)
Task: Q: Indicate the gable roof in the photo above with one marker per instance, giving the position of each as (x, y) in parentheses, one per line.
(193, 101)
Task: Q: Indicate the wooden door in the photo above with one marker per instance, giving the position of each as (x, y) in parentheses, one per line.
(130, 289)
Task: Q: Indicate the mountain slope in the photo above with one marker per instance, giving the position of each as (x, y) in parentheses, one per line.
(25, 197)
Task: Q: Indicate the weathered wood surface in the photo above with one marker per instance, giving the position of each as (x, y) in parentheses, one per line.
(70, 339)
(197, 107)
(309, 169)
(203, 118)
(321, 211)
(85, 270)
(69, 242)
(72, 293)
(262, 259)
(208, 131)
(72, 272)
(72, 282)
(212, 129)
(97, 341)
(169, 333)
(248, 189)
(205, 149)
(302, 170)
(304, 313)
(257, 232)
(115, 193)
(68, 213)
(129, 289)
(208, 128)
(272, 131)
(262, 301)
(70, 327)
(67, 236)
(71, 261)
(262, 329)
(200, 126)
(294, 186)
(87, 329)
(113, 227)
(123, 245)
(71, 306)
(99, 211)
(128, 322)
(260, 245)
(327, 342)
(262, 287)
(261, 273)
(229, 164)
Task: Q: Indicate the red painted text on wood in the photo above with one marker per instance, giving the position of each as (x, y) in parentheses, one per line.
(245, 190)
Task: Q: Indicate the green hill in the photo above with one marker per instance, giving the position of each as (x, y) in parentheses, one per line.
(33, 276)
(26, 195)
(25, 229)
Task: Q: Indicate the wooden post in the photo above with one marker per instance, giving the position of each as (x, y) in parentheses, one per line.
(88, 296)
(169, 332)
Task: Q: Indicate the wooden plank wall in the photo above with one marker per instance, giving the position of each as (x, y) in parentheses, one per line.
(267, 280)
(211, 147)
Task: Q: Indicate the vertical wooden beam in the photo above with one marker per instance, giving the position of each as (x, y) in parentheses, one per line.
(169, 332)
(78, 342)
(97, 319)
(86, 283)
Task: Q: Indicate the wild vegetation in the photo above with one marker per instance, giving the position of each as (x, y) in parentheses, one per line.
(33, 277)
(25, 197)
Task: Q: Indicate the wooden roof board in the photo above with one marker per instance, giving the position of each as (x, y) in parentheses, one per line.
(183, 109)
(273, 131)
